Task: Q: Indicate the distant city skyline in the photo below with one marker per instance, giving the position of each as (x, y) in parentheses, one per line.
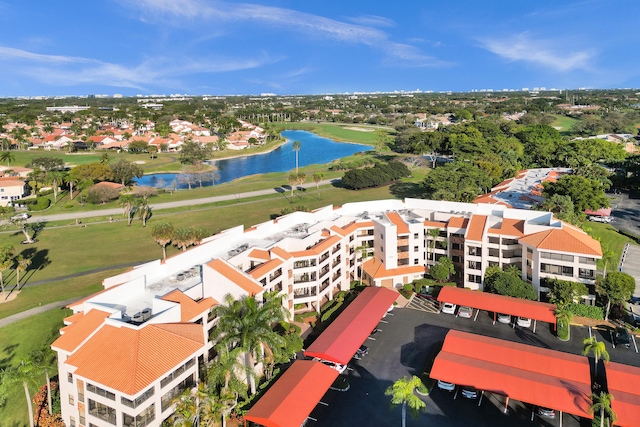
(280, 47)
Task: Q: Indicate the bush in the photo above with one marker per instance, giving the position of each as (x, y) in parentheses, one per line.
(300, 317)
(375, 176)
(39, 204)
(563, 330)
(590, 311)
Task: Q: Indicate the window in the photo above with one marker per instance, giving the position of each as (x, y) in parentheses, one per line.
(494, 252)
(455, 258)
(557, 257)
(102, 411)
(416, 236)
(142, 398)
(100, 392)
(82, 420)
(166, 380)
(456, 246)
(70, 377)
(495, 240)
(382, 236)
(72, 422)
(560, 270)
(416, 261)
(585, 273)
(141, 420)
(381, 249)
(473, 265)
(586, 260)
(474, 251)
(71, 400)
(509, 241)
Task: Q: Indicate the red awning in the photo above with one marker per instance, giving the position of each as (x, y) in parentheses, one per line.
(599, 212)
(623, 381)
(339, 342)
(529, 374)
(291, 399)
(499, 304)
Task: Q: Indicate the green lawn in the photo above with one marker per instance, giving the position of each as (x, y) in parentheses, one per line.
(359, 133)
(610, 240)
(18, 340)
(563, 123)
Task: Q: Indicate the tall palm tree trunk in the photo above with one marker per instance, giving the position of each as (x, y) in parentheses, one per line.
(26, 392)
(46, 373)
(404, 414)
(249, 366)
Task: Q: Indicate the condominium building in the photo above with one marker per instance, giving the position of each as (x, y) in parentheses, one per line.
(127, 351)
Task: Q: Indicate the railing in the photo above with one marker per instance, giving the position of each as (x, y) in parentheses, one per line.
(324, 257)
(104, 415)
(306, 294)
(324, 271)
(403, 242)
(336, 262)
(336, 249)
(403, 255)
(304, 278)
(275, 274)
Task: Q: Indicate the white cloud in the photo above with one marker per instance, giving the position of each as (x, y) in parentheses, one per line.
(361, 32)
(546, 53)
(68, 71)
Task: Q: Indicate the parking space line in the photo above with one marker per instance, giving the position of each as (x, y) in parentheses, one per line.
(455, 396)
(477, 311)
(383, 321)
(371, 338)
(613, 344)
(589, 327)
(633, 337)
(481, 396)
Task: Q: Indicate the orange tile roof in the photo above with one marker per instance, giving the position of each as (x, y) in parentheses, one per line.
(281, 253)
(509, 227)
(397, 220)
(338, 230)
(235, 276)
(476, 227)
(73, 318)
(377, 270)
(319, 248)
(435, 224)
(260, 254)
(74, 334)
(189, 309)
(458, 222)
(129, 360)
(265, 268)
(351, 227)
(565, 239)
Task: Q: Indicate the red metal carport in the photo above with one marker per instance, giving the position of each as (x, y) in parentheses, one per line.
(534, 375)
(500, 304)
(339, 342)
(623, 382)
(291, 399)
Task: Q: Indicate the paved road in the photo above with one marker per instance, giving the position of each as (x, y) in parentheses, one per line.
(36, 310)
(626, 213)
(176, 204)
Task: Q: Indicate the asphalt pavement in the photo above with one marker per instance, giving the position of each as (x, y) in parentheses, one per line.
(407, 338)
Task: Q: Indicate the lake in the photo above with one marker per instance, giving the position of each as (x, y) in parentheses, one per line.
(313, 150)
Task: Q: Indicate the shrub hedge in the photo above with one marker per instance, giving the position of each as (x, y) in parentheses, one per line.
(590, 311)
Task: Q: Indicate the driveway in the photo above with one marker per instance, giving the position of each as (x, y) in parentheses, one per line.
(401, 348)
(626, 213)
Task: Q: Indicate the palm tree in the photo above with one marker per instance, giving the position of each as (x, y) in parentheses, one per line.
(56, 177)
(222, 376)
(293, 180)
(599, 350)
(143, 209)
(607, 258)
(163, 233)
(23, 374)
(301, 178)
(71, 181)
(6, 262)
(127, 203)
(196, 407)
(245, 324)
(22, 264)
(7, 156)
(21, 223)
(563, 319)
(183, 238)
(296, 148)
(602, 402)
(41, 363)
(402, 393)
(317, 178)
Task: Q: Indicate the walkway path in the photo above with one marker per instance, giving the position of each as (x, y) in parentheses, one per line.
(176, 204)
(36, 310)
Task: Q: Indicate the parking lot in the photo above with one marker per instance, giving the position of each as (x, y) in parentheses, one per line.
(406, 339)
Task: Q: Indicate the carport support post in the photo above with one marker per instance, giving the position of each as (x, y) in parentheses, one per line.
(535, 322)
(494, 317)
(560, 418)
(506, 404)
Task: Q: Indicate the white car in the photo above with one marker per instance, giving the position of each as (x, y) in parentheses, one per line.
(469, 393)
(449, 308)
(443, 385)
(337, 366)
(606, 219)
(20, 216)
(504, 318)
(524, 322)
(465, 312)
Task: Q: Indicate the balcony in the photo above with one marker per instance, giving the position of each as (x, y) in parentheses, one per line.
(336, 249)
(403, 248)
(304, 278)
(324, 271)
(275, 274)
(324, 285)
(304, 263)
(403, 242)
(324, 257)
(336, 262)
(403, 255)
(304, 293)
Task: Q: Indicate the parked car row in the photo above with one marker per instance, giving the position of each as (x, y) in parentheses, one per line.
(467, 312)
(469, 392)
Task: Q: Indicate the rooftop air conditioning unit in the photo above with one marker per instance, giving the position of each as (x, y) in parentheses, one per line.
(137, 318)
(146, 314)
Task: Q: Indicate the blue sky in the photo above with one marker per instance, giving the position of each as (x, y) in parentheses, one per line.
(79, 47)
